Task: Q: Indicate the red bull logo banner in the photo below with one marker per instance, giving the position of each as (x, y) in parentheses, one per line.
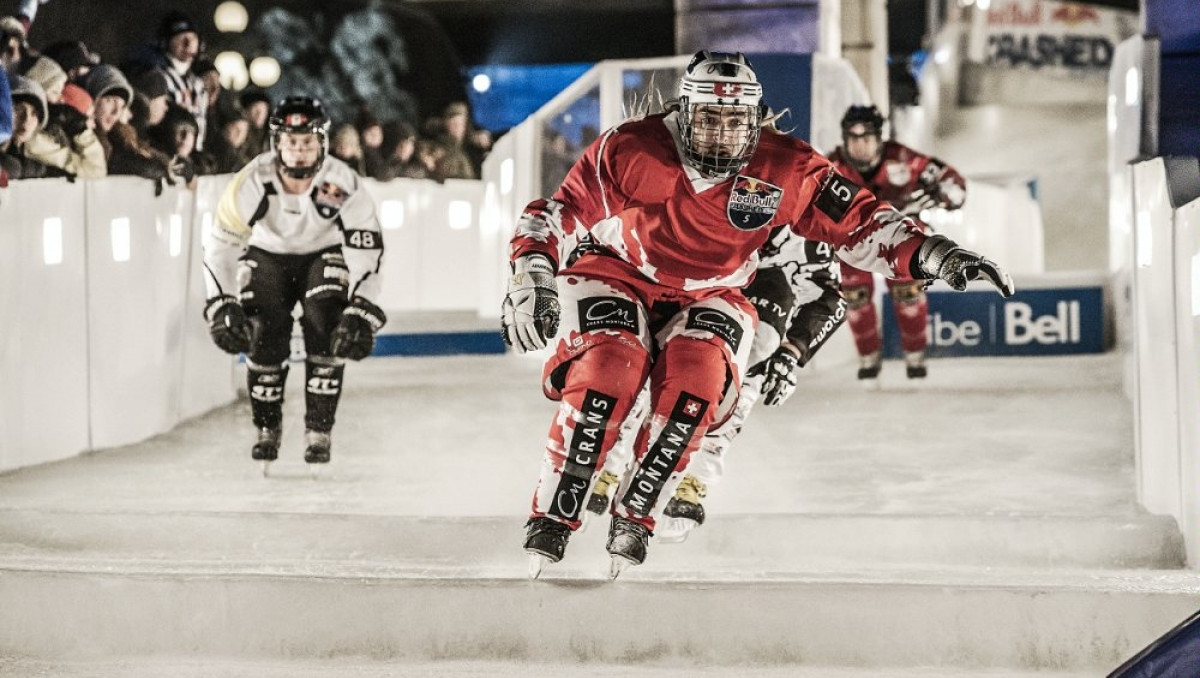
(752, 203)
(1064, 36)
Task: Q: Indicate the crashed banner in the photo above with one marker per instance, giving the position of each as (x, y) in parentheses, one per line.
(1044, 34)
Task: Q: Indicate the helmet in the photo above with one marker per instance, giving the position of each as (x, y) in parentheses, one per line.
(863, 115)
(871, 120)
(726, 82)
(299, 115)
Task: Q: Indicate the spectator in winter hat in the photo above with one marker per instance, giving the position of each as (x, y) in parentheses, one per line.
(227, 146)
(73, 57)
(28, 92)
(12, 43)
(47, 73)
(77, 97)
(110, 92)
(400, 143)
(455, 163)
(68, 144)
(152, 87)
(179, 45)
(29, 114)
(257, 106)
(345, 145)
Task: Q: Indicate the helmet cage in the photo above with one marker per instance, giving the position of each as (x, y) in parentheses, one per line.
(871, 121)
(299, 115)
(714, 85)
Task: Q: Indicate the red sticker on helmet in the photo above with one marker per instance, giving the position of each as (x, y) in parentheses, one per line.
(295, 119)
(727, 89)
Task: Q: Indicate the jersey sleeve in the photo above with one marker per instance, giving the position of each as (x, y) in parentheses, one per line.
(866, 233)
(362, 244)
(589, 194)
(820, 308)
(226, 243)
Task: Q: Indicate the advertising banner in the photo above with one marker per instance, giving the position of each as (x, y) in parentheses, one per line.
(1062, 36)
(1053, 321)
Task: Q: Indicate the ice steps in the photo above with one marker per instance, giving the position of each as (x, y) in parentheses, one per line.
(783, 542)
(879, 592)
(982, 620)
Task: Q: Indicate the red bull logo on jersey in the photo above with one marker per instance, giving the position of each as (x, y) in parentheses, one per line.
(752, 203)
(329, 198)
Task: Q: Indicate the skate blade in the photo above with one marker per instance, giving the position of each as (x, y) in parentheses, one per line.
(537, 561)
(618, 564)
(316, 471)
(266, 468)
(870, 384)
(675, 530)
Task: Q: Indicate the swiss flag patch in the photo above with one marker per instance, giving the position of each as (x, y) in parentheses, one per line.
(727, 89)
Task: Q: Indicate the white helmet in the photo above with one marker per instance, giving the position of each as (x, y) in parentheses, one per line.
(718, 83)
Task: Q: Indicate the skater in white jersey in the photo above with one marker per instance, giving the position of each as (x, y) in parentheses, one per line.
(295, 226)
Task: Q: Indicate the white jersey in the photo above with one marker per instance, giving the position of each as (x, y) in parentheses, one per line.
(255, 211)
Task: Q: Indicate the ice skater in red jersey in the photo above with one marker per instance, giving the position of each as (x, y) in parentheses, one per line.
(677, 206)
(911, 181)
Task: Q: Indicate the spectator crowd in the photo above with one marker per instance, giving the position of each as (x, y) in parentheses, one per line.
(164, 115)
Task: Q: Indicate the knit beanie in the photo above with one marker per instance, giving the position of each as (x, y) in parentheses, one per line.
(77, 97)
(47, 73)
(28, 90)
(108, 79)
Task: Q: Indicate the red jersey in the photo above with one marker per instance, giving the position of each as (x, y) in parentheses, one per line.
(903, 172)
(633, 194)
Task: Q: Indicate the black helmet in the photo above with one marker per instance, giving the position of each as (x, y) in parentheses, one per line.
(863, 115)
(299, 115)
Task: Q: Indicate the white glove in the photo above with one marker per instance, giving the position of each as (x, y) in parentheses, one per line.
(940, 257)
(530, 311)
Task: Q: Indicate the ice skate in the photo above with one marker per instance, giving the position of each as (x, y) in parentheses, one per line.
(868, 370)
(684, 512)
(266, 448)
(545, 542)
(914, 364)
(627, 542)
(598, 500)
(318, 445)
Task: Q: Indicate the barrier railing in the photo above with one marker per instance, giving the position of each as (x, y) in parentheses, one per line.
(101, 337)
(1166, 351)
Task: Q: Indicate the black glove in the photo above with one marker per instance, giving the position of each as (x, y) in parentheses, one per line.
(779, 376)
(354, 336)
(227, 323)
(73, 122)
(531, 310)
(941, 258)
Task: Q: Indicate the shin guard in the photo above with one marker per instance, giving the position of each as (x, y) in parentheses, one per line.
(266, 384)
(322, 389)
(912, 315)
(864, 320)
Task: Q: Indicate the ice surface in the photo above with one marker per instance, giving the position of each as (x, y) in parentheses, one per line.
(463, 436)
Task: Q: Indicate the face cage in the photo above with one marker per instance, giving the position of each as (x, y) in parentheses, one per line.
(862, 166)
(300, 172)
(716, 165)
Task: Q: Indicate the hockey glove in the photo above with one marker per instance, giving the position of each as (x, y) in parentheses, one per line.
(531, 310)
(354, 336)
(941, 258)
(779, 376)
(227, 323)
